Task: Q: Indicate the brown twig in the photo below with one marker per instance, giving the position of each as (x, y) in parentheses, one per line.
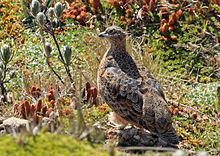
(50, 30)
(47, 60)
(55, 73)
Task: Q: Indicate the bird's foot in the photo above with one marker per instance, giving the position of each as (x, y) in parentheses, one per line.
(116, 126)
(116, 121)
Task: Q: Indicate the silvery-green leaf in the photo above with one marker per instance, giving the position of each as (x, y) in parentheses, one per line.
(50, 13)
(6, 53)
(35, 7)
(58, 9)
(41, 19)
(67, 54)
(48, 50)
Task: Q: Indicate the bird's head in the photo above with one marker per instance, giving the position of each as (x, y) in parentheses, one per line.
(113, 33)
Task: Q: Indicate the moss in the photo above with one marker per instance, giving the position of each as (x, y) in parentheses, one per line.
(47, 144)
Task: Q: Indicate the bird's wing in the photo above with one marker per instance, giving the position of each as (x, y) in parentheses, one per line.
(150, 80)
(139, 104)
(122, 93)
(155, 112)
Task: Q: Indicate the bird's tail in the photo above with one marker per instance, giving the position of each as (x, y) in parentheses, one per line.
(170, 136)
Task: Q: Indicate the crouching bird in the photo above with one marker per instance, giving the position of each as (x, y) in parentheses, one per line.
(131, 91)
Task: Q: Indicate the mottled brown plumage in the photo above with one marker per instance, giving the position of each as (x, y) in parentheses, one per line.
(131, 91)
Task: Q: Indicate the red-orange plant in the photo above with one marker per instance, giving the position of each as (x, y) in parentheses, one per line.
(90, 94)
(77, 11)
(41, 108)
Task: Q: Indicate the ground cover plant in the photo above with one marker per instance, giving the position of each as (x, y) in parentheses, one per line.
(50, 52)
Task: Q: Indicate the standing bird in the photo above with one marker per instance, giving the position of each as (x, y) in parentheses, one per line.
(131, 91)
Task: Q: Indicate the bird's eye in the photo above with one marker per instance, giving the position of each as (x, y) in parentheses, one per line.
(111, 31)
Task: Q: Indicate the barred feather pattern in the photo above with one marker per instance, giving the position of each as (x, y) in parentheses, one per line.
(134, 94)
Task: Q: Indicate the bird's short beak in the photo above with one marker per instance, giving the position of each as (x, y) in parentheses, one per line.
(102, 34)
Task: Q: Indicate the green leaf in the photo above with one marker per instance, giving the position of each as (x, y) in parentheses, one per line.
(48, 3)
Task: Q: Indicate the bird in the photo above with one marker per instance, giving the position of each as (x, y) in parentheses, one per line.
(131, 91)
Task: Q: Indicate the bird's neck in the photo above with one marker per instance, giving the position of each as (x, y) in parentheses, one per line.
(118, 46)
(118, 57)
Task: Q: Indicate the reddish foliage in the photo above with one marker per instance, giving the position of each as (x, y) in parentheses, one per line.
(48, 112)
(44, 110)
(38, 105)
(22, 110)
(167, 27)
(114, 3)
(50, 95)
(194, 115)
(35, 92)
(52, 103)
(27, 107)
(173, 38)
(77, 11)
(152, 5)
(36, 111)
(218, 115)
(190, 10)
(90, 94)
(67, 111)
(33, 109)
(179, 13)
(95, 4)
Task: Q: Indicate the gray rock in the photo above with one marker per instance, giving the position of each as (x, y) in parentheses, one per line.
(49, 123)
(13, 125)
(203, 153)
(178, 153)
(1, 119)
(45, 121)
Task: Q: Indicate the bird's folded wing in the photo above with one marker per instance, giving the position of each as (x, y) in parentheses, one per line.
(138, 103)
(155, 111)
(150, 80)
(122, 90)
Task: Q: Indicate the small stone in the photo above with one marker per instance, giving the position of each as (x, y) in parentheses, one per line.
(178, 153)
(15, 125)
(36, 130)
(203, 153)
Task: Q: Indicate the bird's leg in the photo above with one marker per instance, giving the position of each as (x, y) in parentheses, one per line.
(117, 121)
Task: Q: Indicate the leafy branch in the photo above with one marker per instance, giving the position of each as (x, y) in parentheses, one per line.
(46, 20)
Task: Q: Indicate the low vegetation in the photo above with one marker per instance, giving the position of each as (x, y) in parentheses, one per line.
(54, 56)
